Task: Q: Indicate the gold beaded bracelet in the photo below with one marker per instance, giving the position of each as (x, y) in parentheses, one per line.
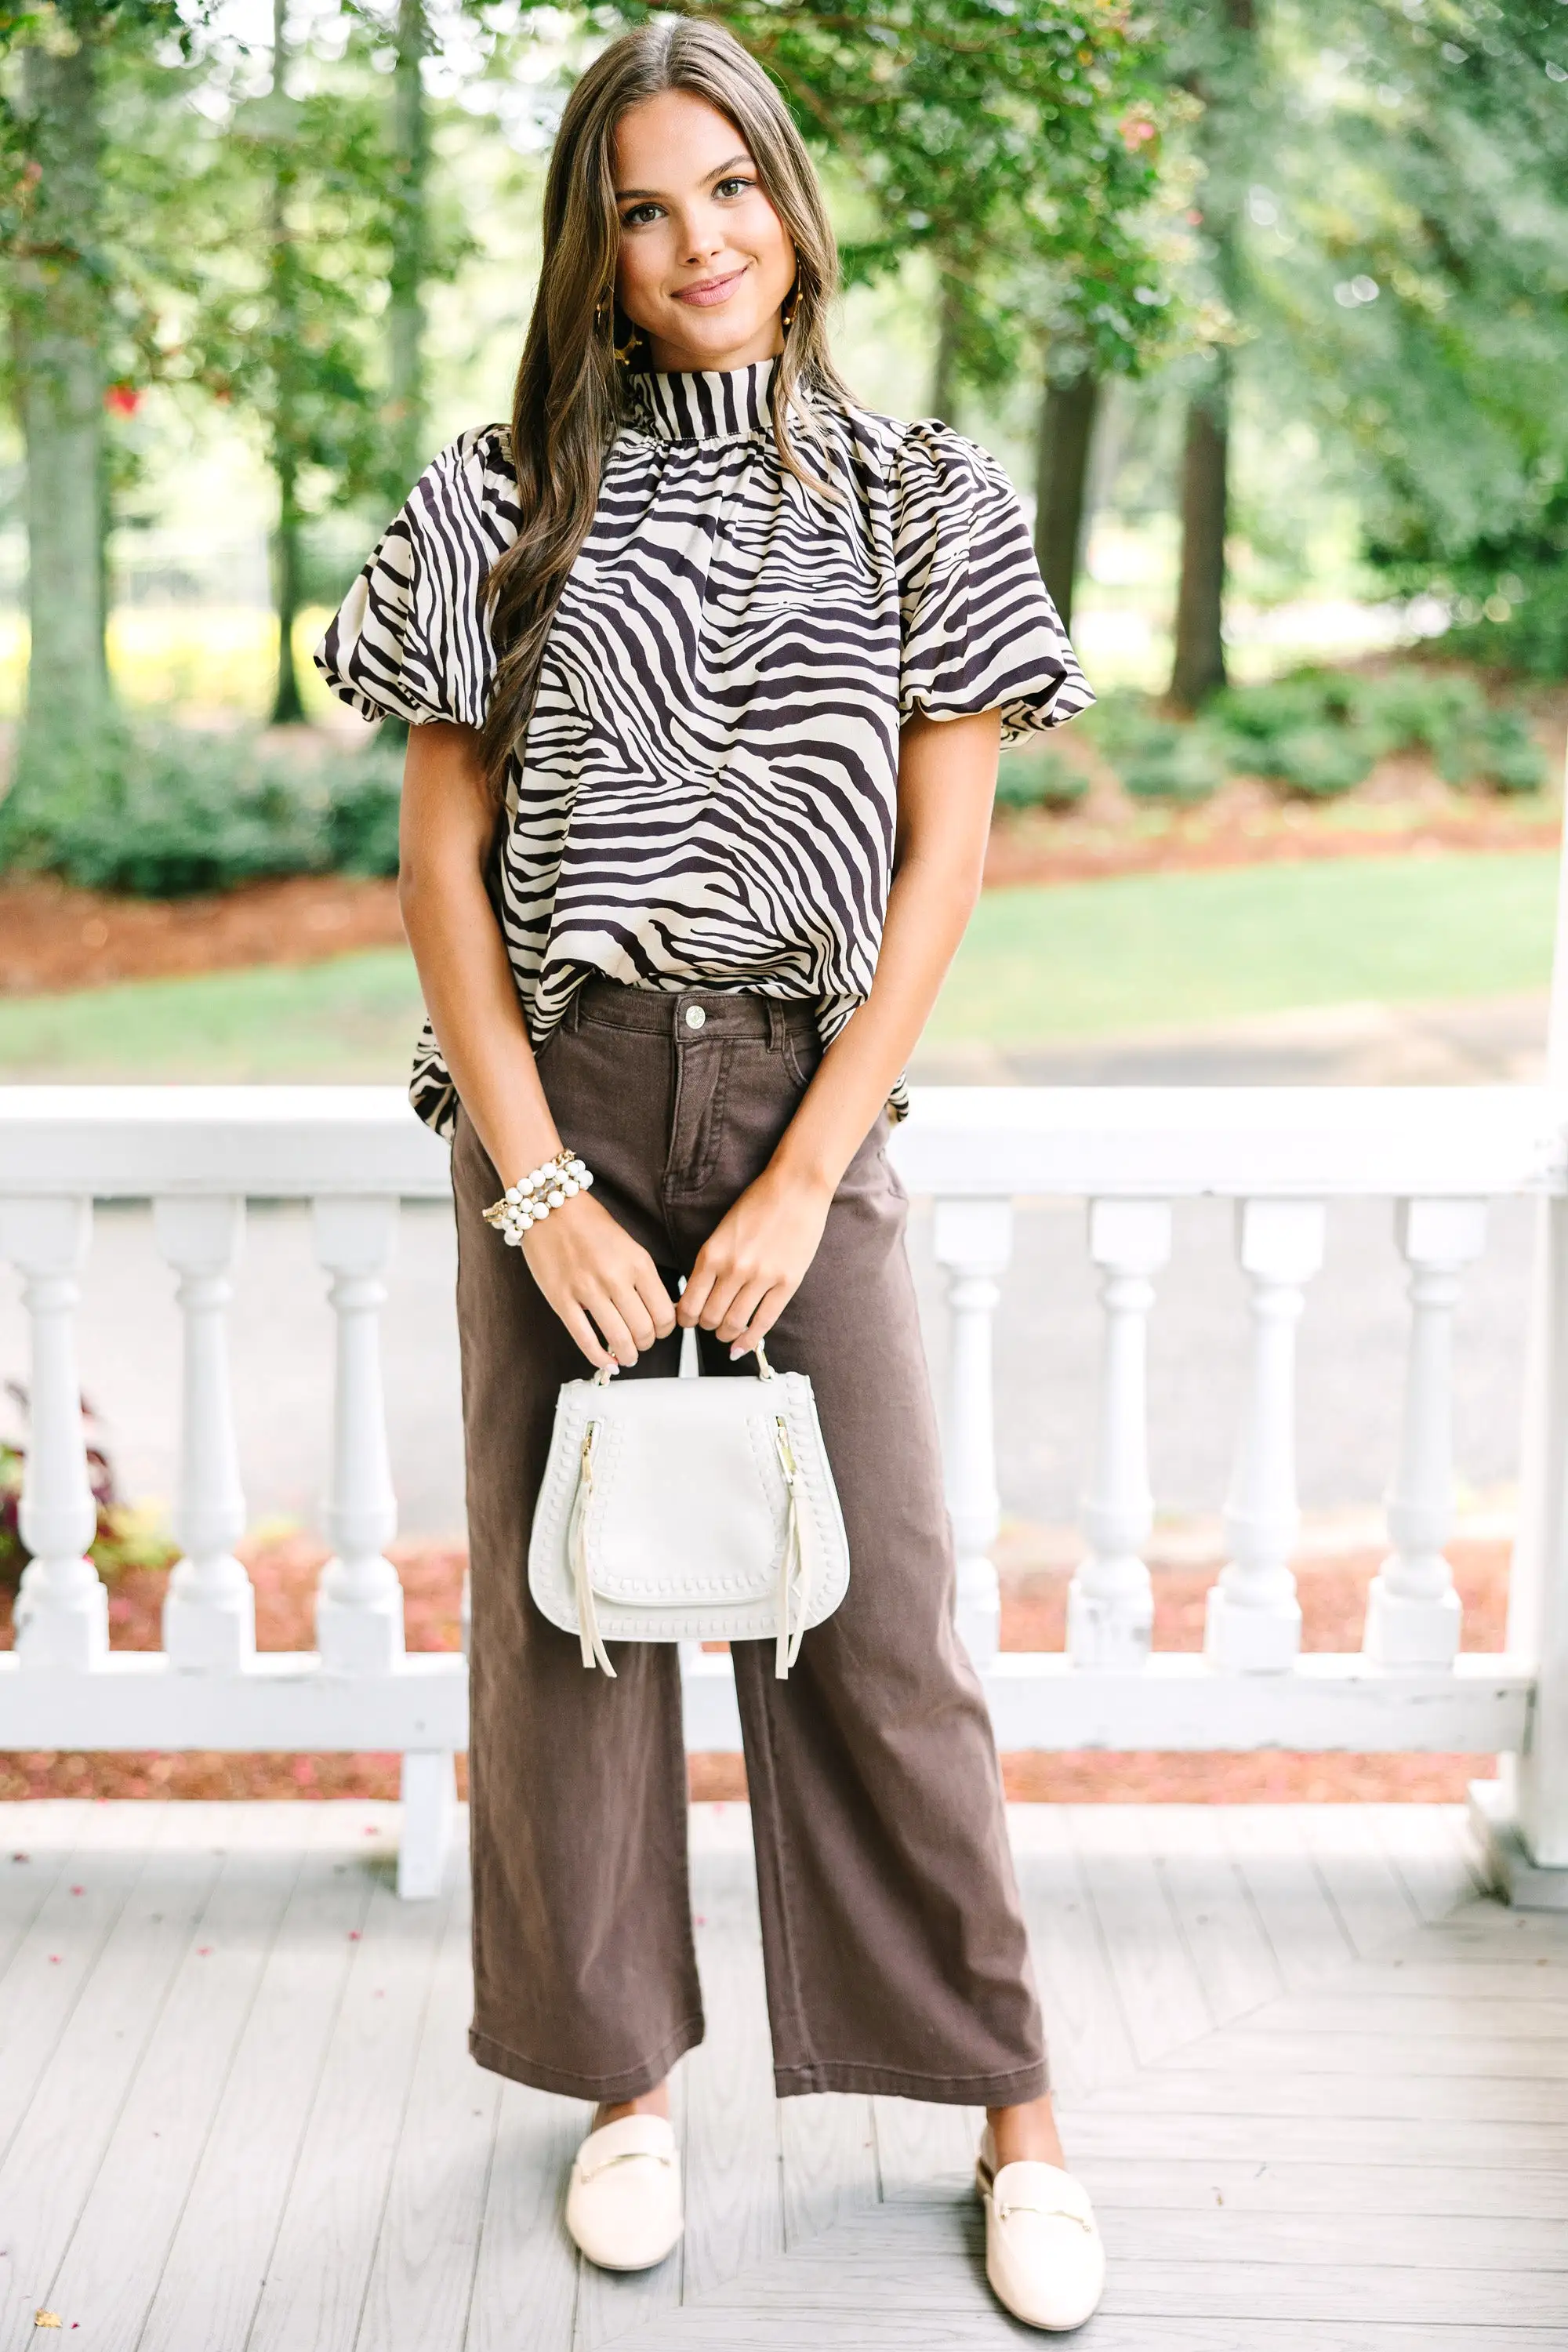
(529, 1202)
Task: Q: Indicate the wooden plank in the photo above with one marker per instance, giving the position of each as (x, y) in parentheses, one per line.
(1439, 2016)
(1186, 2184)
(1247, 2291)
(422, 2272)
(1455, 1977)
(55, 1958)
(525, 2284)
(1230, 1954)
(910, 2276)
(1161, 1997)
(1363, 1884)
(1305, 1932)
(1378, 2050)
(316, 2279)
(112, 2266)
(1345, 2242)
(1490, 1930)
(1372, 2093)
(239, 2191)
(56, 2151)
(1086, 2039)
(30, 1868)
(921, 2144)
(827, 2147)
(735, 2202)
(1432, 1848)
(1205, 2134)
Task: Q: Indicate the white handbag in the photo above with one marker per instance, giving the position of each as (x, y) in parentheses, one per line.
(687, 1509)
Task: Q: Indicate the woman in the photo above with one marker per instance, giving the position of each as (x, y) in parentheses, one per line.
(707, 669)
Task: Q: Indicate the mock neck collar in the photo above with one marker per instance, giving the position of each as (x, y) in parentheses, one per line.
(704, 405)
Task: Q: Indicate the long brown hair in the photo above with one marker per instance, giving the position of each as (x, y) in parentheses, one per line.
(570, 398)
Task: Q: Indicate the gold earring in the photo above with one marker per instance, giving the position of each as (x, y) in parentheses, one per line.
(791, 305)
(624, 351)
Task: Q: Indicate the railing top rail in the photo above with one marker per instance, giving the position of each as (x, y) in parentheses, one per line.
(129, 1142)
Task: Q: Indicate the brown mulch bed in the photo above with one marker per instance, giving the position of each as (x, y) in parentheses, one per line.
(1333, 1601)
(54, 939)
(1402, 810)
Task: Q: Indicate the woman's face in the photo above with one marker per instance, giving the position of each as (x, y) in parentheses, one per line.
(705, 262)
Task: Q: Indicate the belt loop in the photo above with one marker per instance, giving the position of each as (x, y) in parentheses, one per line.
(776, 1026)
(572, 1016)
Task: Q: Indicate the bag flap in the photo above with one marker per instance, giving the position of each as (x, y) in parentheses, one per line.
(689, 1500)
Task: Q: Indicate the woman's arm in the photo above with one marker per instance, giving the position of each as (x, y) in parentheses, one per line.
(756, 1257)
(602, 1283)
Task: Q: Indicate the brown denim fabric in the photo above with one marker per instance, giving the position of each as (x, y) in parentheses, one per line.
(894, 1947)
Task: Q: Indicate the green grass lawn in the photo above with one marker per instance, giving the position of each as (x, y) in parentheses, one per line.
(1082, 959)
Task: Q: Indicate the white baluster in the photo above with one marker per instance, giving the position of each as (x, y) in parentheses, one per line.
(1254, 1619)
(359, 1601)
(973, 1240)
(209, 1609)
(62, 1609)
(1111, 1604)
(429, 1790)
(1413, 1610)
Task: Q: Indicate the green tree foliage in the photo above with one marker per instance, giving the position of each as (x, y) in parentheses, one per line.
(74, 248)
(1408, 292)
(1017, 147)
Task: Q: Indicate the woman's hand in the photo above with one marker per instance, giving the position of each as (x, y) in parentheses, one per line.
(599, 1281)
(755, 1259)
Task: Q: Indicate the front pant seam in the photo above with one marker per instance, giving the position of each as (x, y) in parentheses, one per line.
(777, 1854)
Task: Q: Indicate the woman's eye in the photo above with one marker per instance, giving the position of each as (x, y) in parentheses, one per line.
(639, 215)
(734, 187)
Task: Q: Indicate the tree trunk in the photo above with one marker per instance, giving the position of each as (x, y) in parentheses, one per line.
(59, 327)
(287, 708)
(1061, 475)
(410, 241)
(1198, 667)
(1229, 97)
(949, 343)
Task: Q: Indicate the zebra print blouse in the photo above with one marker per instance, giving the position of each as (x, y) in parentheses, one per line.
(707, 792)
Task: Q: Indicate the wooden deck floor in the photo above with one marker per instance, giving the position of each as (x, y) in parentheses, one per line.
(1318, 2087)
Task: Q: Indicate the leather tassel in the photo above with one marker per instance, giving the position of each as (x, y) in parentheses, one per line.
(592, 1648)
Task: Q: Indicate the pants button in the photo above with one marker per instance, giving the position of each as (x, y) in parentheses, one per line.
(695, 1017)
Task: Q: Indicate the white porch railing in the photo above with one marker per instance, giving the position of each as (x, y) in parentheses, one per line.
(1281, 1155)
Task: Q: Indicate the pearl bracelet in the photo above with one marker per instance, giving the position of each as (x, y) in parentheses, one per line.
(529, 1202)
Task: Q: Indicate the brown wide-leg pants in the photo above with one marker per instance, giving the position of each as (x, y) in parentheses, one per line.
(895, 1952)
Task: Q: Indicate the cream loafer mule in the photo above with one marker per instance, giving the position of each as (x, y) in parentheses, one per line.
(1043, 2251)
(623, 2201)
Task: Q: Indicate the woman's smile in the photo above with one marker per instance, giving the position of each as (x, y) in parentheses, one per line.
(710, 290)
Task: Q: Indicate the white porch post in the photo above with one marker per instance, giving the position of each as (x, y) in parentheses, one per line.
(1522, 1816)
(1254, 1619)
(1413, 1610)
(62, 1609)
(209, 1609)
(359, 1601)
(1111, 1605)
(973, 1240)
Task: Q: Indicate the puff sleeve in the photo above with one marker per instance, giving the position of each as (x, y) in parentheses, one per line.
(410, 639)
(979, 630)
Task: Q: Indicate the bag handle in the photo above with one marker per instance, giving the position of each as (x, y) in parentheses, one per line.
(607, 1373)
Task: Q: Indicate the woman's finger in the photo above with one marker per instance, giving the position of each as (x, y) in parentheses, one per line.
(716, 1306)
(694, 1298)
(656, 1300)
(747, 1298)
(587, 1339)
(635, 1316)
(613, 1324)
(763, 1318)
